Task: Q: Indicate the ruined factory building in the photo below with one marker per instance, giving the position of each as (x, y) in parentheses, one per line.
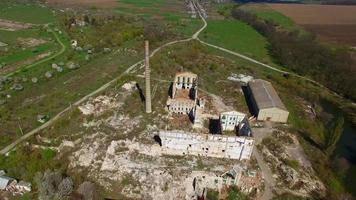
(229, 120)
(219, 146)
(266, 103)
(184, 93)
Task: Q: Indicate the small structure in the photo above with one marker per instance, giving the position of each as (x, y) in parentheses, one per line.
(3, 44)
(7, 183)
(42, 118)
(184, 94)
(23, 187)
(266, 103)
(219, 146)
(241, 78)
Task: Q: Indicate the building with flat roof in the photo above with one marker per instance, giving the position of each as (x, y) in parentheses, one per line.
(266, 103)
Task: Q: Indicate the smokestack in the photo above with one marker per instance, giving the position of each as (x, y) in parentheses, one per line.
(147, 78)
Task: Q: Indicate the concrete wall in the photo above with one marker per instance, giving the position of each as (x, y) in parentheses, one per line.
(273, 114)
(181, 143)
(181, 107)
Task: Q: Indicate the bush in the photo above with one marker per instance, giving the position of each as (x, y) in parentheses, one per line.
(235, 194)
(212, 195)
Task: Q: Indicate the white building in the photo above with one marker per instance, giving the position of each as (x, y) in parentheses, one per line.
(219, 146)
(266, 103)
(230, 120)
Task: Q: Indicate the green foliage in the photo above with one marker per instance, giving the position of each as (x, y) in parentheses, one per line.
(212, 195)
(235, 194)
(225, 9)
(48, 154)
(334, 134)
(292, 163)
(263, 11)
(24, 162)
(287, 196)
(113, 31)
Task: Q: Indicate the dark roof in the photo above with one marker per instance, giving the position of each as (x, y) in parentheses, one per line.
(265, 95)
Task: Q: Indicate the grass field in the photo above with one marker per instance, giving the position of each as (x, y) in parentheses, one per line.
(24, 54)
(237, 36)
(159, 9)
(26, 13)
(265, 12)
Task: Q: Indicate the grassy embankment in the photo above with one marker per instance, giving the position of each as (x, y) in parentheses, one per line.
(263, 11)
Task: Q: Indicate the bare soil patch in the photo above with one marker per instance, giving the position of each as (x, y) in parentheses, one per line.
(87, 3)
(318, 14)
(342, 34)
(30, 42)
(331, 23)
(12, 25)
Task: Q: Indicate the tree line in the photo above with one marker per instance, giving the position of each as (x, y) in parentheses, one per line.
(302, 53)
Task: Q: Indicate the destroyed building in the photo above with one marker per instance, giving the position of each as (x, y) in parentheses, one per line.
(201, 181)
(184, 94)
(266, 103)
(230, 120)
(235, 121)
(219, 146)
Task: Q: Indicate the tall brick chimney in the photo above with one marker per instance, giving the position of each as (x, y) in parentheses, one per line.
(148, 78)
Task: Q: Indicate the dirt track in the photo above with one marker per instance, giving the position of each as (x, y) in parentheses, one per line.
(87, 3)
(12, 25)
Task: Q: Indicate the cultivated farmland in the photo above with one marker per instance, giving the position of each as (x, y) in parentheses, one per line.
(330, 22)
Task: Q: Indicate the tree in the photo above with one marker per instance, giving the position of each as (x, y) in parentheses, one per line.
(235, 194)
(52, 185)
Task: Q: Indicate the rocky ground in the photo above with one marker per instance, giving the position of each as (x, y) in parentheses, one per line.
(291, 169)
(117, 150)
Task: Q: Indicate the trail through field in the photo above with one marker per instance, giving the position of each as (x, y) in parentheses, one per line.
(63, 49)
(102, 88)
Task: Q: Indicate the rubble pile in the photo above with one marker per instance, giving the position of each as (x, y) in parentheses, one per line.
(99, 105)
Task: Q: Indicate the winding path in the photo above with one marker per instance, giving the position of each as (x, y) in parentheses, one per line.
(102, 88)
(63, 49)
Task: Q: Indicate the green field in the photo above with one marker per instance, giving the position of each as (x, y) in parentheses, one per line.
(10, 37)
(26, 13)
(263, 11)
(23, 54)
(159, 9)
(237, 36)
